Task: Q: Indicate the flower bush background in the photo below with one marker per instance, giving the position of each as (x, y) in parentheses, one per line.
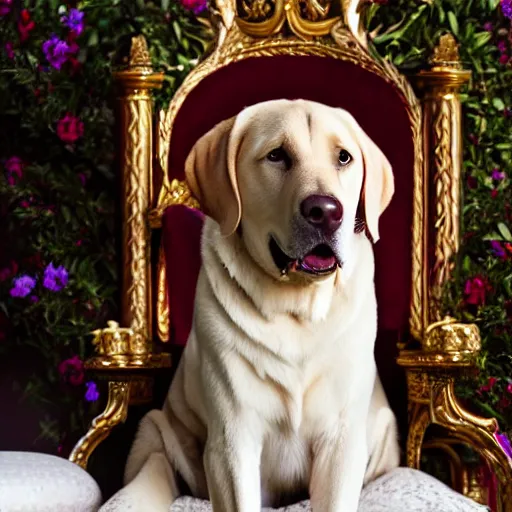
(58, 272)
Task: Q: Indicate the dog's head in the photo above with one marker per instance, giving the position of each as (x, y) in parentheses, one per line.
(301, 180)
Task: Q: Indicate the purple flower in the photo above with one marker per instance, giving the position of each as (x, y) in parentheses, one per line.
(504, 443)
(497, 249)
(506, 8)
(498, 175)
(74, 21)
(56, 51)
(55, 279)
(92, 394)
(502, 46)
(9, 50)
(488, 26)
(5, 7)
(22, 286)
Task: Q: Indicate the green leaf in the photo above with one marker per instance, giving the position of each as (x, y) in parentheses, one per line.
(165, 5)
(93, 38)
(505, 232)
(481, 39)
(498, 104)
(177, 30)
(454, 24)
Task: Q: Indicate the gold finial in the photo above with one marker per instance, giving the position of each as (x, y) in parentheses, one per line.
(448, 335)
(139, 54)
(113, 340)
(446, 53)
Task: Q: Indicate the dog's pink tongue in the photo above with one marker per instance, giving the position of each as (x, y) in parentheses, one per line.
(316, 262)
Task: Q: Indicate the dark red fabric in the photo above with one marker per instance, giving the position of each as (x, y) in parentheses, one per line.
(181, 228)
(378, 108)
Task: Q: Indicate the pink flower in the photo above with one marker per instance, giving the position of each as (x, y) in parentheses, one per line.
(503, 59)
(72, 371)
(490, 384)
(471, 182)
(475, 291)
(25, 25)
(70, 128)
(196, 6)
(509, 388)
(14, 170)
(494, 193)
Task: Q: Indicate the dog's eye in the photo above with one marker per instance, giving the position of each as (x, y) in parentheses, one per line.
(345, 157)
(277, 155)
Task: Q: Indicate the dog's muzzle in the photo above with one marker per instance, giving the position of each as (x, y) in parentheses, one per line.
(319, 261)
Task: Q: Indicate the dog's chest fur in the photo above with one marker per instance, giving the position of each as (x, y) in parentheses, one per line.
(281, 373)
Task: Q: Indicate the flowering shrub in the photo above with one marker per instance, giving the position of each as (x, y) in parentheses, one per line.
(57, 189)
(58, 279)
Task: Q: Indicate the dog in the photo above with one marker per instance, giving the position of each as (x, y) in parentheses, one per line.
(277, 395)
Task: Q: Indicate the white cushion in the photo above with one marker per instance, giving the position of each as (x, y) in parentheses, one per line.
(400, 490)
(35, 482)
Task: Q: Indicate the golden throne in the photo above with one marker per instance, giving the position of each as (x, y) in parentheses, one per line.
(317, 50)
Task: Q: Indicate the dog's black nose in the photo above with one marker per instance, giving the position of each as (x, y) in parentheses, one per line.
(323, 212)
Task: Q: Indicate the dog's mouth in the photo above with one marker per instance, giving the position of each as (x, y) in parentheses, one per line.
(321, 260)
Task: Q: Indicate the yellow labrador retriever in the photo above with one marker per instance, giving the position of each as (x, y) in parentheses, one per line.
(277, 392)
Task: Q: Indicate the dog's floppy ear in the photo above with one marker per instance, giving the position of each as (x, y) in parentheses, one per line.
(378, 180)
(210, 170)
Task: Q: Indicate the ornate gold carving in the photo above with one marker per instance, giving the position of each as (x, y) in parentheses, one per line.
(446, 181)
(418, 386)
(446, 54)
(113, 340)
(442, 133)
(256, 10)
(314, 10)
(176, 192)
(448, 335)
(115, 412)
(475, 431)
(162, 300)
(306, 18)
(136, 123)
(139, 55)
(128, 362)
(419, 421)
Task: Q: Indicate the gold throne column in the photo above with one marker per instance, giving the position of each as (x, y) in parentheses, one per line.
(449, 348)
(124, 352)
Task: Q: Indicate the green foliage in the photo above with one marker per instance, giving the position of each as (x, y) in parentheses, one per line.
(62, 209)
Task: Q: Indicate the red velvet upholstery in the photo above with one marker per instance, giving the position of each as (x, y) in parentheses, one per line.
(182, 228)
(379, 109)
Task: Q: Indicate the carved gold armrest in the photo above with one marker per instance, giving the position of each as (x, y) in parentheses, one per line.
(128, 371)
(449, 350)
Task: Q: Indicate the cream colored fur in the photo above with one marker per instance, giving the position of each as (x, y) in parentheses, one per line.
(277, 390)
